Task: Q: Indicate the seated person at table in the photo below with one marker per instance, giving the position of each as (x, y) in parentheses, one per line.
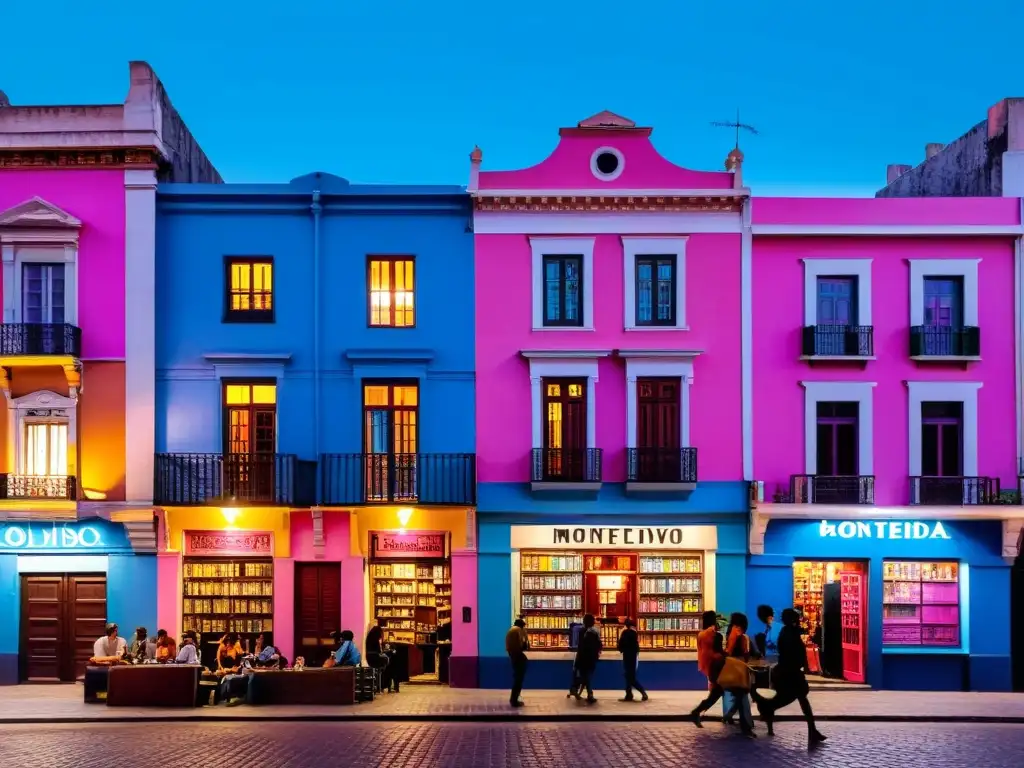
(229, 654)
(267, 654)
(187, 654)
(141, 646)
(166, 648)
(110, 648)
(347, 654)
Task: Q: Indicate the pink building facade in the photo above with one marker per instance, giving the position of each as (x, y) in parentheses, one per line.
(609, 397)
(886, 431)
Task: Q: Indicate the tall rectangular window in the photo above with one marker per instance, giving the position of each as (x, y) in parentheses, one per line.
(250, 290)
(563, 290)
(391, 440)
(837, 301)
(942, 439)
(656, 290)
(46, 449)
(392, 286)
(42, 293)
(837, 439)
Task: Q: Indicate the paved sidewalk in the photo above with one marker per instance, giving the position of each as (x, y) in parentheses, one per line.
(63, 703)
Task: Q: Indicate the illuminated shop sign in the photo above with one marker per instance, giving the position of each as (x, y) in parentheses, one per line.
(887, 530)
(50, 536)
(427, 544)
(614, 537)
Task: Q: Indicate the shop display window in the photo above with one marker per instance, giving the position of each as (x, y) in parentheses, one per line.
(662, 592)
(411, 600)
(921, 603)
(230, 595)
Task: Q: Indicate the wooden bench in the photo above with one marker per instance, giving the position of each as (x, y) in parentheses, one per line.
(309, 687)
(153, 685)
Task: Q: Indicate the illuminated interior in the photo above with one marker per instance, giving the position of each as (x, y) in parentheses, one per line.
(46, 449)
(392, 286)
(252, 286)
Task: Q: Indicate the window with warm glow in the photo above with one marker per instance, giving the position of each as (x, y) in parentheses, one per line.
(250, 289)
(46, 450)
(392, 288)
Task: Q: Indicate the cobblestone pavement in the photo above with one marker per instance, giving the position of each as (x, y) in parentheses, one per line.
(302, 745)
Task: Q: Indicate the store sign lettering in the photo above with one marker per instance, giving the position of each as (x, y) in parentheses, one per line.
(254, 543)
(618, 536)
(889, 530)
(52, 537)
(429, 545)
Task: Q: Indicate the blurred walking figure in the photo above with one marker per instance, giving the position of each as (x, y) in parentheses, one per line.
(738, 646)
(587, 654)
(710, 659)
(516, 645)
(790, 680)
(629, 647)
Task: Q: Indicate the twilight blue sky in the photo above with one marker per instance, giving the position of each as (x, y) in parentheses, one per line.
(390, 91)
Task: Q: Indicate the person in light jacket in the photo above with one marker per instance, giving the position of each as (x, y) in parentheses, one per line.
(629, 647)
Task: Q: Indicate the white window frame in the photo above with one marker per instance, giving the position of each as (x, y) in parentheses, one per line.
(680, 367)
(632, 247)
(562, 246)
(965, 269)
(859, 392)
(563, 365)
(964, 392)
(858, 268)
(20, 411)
(38, 232)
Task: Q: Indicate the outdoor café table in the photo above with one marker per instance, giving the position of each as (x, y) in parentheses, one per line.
(153, 685)
(309, 686)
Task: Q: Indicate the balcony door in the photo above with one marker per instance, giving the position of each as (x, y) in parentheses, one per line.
(837, 479)
(837, 313)
(43, 470)
(250, 440)
(943, 315)
(391, 440)
(942, 455)
(658, 441)
(565, 429)
(42, 293)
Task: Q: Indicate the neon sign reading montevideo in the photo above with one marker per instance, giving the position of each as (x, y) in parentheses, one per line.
(882, 529)
(52, 537)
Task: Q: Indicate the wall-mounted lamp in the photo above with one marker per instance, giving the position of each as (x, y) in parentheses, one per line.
(404, 515)
(230, 514)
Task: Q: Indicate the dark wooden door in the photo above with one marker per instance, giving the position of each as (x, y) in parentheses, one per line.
(61, 617)
(317, 610)
(658, 440)
(565, 429)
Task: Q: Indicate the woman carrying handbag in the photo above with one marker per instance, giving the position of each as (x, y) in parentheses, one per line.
(738, 674)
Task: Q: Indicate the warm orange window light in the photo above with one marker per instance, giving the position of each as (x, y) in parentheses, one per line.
(251, 286)
(392, 287)
(250, 394)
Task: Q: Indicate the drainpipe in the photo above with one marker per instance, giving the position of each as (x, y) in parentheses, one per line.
(316, 208)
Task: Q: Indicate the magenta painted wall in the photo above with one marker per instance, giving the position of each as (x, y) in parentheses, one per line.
(778, 320)
(872, 210)
(168, 593)
(503, 300)
(464, 595)
(97, 199)
(336, 549)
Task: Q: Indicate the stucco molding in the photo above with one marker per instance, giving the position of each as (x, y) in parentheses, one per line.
(558, 368)
(747, 342)
(634, 247)
(859, 392)
(815, 268)
(680, 368)
(965, 269)
(562, 246)
(1013, 533)
(79, 159)
(964, 392)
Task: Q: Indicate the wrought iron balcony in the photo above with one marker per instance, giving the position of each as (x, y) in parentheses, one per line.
(23, 339)
(955, 491)
(35, 487)
(832, 489)
(661, 469)
(566, 469)
(223, 478)
(852, 341)
(398, 478)
(936, 341)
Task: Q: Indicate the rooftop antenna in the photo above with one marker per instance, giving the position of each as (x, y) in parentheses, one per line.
(737, 125)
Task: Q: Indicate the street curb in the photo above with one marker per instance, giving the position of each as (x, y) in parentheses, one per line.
(485, 718)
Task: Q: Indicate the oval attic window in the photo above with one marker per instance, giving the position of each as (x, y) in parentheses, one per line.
(606, 163)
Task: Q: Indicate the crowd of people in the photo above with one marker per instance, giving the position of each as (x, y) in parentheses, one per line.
(738, 668)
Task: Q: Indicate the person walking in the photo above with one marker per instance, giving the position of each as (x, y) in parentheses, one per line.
(517, 643)
(790, 678)
(587, 656)
(738, 646)
(629, 647)
(710, 659)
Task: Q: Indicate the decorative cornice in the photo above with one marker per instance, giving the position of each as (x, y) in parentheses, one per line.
(15, 159)
(564, 354)
(726, 202)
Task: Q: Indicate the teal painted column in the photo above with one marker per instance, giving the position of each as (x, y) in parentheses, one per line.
(730, 584)
(131, 592)
(10, 617)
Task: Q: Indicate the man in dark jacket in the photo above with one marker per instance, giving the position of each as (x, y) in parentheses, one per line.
(516, 644)
(587, 655)
(629, 647)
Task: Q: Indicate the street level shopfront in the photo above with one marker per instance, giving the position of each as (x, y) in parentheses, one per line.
(60, 582)
(900, 604)
(661, 575)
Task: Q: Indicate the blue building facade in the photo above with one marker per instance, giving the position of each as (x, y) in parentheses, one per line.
(315, 355)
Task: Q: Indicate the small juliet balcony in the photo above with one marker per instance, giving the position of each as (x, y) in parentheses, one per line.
(954, 491)
(941, 343)
(661, 470)
(566, 469)
(198, 479)
(38, 488)
(398, 478)
(838, 342)
(40, 340)
(832, 489)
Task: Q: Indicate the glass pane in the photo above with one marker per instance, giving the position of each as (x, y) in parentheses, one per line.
(554, 390)
(826, 450)
(554, 426)
(643, 292)
(406, 396)
(375, 394)
(377, 431)
(929, 450)
(553, 290)
(950, 450)
(846, 449)
(264, 394)
(237, 394)
(572, 289)
(666, 290)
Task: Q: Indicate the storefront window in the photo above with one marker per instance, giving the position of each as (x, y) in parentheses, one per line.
(921, 603)
(662, 592)
(228, 596)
